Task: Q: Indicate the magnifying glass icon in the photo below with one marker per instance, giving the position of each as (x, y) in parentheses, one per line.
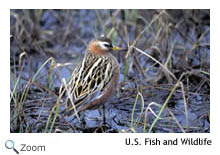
(9, 144)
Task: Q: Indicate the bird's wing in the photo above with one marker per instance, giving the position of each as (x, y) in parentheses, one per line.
(90, 79)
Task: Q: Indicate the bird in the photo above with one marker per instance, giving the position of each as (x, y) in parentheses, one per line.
(96, 78)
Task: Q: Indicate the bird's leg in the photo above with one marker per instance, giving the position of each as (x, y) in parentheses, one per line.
(82, 119)
(104, 120)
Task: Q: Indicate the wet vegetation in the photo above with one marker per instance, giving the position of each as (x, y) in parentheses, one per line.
(165, 73)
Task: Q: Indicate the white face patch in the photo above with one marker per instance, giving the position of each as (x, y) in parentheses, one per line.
(104, 45)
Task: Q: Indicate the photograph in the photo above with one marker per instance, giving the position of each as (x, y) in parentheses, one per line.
(109, 71)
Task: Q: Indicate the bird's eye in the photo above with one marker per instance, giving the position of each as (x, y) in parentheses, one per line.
(105, 45)
(108, 45)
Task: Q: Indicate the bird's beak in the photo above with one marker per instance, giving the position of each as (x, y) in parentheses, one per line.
(116, 48)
